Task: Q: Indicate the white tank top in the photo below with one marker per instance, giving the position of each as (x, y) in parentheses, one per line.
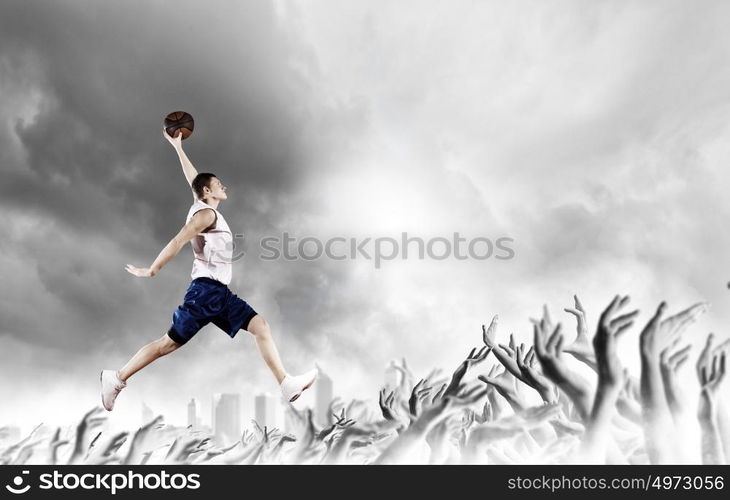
(213, 250)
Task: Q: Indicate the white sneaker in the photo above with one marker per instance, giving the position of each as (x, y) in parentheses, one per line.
(111, 385)
(293, 386)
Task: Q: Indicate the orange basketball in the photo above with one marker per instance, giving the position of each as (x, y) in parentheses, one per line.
(179, 121)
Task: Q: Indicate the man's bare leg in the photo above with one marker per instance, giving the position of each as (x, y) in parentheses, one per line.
(147, 354)
(260, 329)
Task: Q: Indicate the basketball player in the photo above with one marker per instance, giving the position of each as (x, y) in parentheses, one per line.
(208, 298)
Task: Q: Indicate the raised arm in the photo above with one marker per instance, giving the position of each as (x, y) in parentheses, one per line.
(187, 166)
(202, 220)
(711, 376)
(549, 349)
(657, 417)
(611, 325)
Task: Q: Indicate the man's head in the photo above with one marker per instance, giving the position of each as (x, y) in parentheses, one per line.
(208, 186)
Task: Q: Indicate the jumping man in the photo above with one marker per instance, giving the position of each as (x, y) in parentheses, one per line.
(208, 298)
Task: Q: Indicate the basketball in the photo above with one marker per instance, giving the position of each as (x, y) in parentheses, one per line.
(179, 121)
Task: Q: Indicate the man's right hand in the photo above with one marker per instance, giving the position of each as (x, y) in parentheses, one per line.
(140, 272)
(175, 141)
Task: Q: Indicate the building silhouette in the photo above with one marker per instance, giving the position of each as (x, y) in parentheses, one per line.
(392, 377)
(147, 413)
(323, 398)
(193, 419)
(226, 417)
(268, 410)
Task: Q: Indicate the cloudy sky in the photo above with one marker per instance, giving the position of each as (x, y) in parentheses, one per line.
(593, 135)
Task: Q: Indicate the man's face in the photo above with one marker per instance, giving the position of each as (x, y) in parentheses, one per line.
(217, 190)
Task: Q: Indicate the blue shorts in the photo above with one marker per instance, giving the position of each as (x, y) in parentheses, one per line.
(206, 301)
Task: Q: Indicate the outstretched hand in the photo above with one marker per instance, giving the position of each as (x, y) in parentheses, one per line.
(473, 358)
(610, 327)
(611, 376)
(507, 355)
(106, 451)
(504, 383)
(91, 420)
(670, 362)
(669, 331)
(709, 351)
(489, 335)
(549, 347)
(141, 442)
(175, 141)
(53, 446)
(581, 347)
(386, 405)
(711, 377)
(140, 272)
(419, 393)
(536, 380)
(674, 326)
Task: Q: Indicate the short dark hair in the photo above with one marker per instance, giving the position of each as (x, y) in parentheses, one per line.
(201, 181)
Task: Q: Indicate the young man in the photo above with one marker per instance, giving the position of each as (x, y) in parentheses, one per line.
(208, 298)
